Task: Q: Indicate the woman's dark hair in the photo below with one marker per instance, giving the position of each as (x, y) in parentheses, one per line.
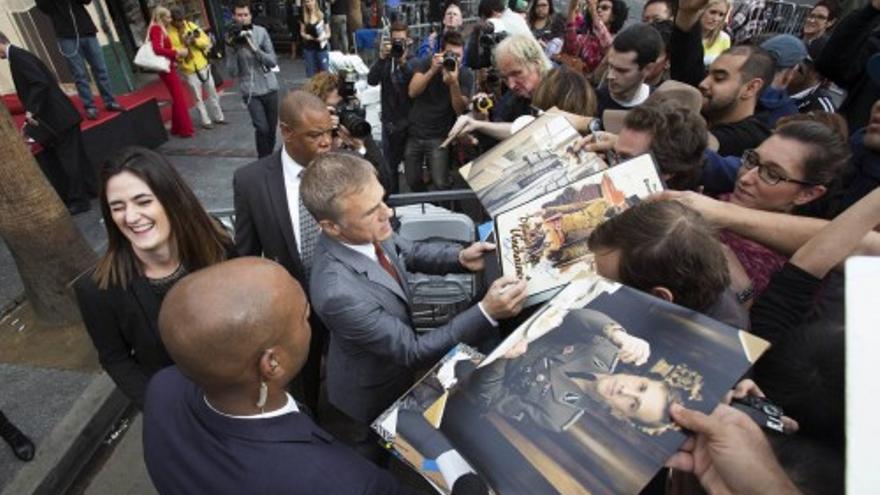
(619, 13)
(551, 10)
(833, 7)
(200, 240)
(567, 90)
(829, 151)
(666, 244)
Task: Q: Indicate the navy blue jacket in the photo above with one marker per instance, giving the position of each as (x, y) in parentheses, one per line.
(189, 448)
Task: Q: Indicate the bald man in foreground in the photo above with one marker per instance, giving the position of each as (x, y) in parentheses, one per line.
(220, 421)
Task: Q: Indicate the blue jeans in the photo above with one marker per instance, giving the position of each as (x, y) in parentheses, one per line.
(316, 61)
(264, 117)
(88, 49)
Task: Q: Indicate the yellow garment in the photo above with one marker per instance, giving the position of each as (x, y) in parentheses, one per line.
(197, 59)
(711, 52)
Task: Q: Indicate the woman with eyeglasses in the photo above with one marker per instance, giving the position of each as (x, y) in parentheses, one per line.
(157, 232)
(821, 19)
(589, 37)
(796, 170)
(547, 26)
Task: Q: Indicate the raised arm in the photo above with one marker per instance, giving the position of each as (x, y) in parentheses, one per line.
(779, 231)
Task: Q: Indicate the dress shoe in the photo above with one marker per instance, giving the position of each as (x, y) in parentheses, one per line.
(21, 445)
(221, 122)
(92, 113)
(114, 107)
(79, 207)
(207, 126)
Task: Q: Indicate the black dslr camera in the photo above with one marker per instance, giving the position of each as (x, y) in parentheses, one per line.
(237, 35)
(450, 61)
(487, 41)
(398, 46)
(762, 411)
(351, 114)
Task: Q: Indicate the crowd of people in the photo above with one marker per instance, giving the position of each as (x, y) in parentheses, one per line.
(769, 146)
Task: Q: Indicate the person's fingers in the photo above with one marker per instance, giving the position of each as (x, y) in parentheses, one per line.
(728, 397)
(683, 461)
(487, 246)
(747, 387)
(690, 419)
(789, 425)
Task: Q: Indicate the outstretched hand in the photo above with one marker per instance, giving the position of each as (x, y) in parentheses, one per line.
(728, 453)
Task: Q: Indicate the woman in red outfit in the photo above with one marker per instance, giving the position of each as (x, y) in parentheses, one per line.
(181, 125)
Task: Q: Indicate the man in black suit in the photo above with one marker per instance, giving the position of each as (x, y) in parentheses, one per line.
(53, 121)
(270, 219)
(220, 421)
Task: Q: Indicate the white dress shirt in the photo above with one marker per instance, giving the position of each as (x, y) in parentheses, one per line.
(291, 171)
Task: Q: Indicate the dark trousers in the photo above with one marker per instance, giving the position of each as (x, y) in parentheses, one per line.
(421, 153)
(68, 156)
(393, 146)
(362, 439)
(306, 387)
(264, 116)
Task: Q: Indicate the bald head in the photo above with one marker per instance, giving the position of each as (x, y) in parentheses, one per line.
(296, 103)
(219, 322)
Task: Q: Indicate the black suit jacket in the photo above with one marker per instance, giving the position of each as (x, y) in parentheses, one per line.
(123, 325)
(189, 448)
(39, 91)
(263, 225)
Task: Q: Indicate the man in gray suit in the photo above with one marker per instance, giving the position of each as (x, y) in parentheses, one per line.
(358, 288)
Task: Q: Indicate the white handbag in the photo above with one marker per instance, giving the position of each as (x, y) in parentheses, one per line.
(147, 59)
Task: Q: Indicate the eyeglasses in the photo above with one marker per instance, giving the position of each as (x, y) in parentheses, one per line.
(542, 5)
(817, 17)
(603, 6)
(750, 160)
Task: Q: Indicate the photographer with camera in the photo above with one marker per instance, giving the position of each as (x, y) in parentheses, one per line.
(440, 88)
(496, 22)
(393, 73)
(251, 58)
(195, 66)
(351, 131)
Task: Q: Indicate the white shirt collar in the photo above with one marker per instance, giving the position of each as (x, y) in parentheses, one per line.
(288, 408)
(290, 165)
(367, 250)
(641, 95)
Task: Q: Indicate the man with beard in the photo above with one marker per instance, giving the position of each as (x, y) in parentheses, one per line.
(730, 94)
(732, 87)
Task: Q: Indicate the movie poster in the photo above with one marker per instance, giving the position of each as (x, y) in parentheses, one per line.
(544, 241)
(575, 401)
(536, 160)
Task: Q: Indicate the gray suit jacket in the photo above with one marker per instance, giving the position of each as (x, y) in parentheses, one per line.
(374, 349)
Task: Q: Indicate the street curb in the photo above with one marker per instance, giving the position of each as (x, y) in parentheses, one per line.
(73, 441)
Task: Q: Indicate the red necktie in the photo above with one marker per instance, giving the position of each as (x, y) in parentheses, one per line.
(386, 263)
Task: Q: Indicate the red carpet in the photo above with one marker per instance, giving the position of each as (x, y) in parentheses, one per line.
(154, 89)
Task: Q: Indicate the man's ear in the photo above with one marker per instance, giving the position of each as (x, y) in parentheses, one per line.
(270, 366)
(662, 293)
(331, 228)
(753, 88)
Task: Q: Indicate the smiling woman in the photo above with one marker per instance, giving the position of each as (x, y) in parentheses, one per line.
(157, 232)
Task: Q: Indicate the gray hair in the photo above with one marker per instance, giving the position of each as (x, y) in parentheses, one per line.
(525, 50)
(330, 177)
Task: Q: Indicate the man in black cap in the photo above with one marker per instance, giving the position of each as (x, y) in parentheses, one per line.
(810, 90)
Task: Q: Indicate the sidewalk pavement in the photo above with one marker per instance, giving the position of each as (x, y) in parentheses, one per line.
(52, 386)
